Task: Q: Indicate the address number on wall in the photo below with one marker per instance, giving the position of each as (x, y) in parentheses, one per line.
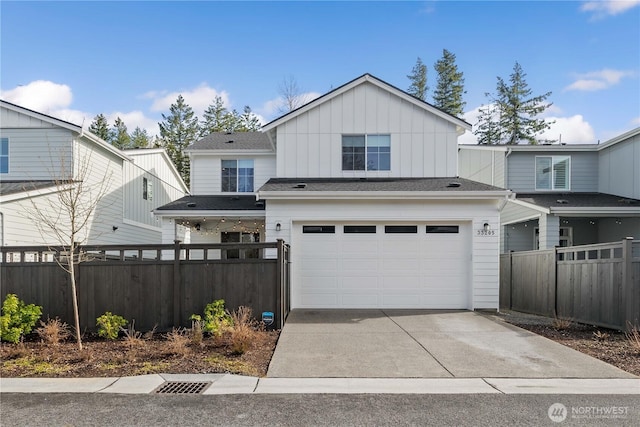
(486, 232)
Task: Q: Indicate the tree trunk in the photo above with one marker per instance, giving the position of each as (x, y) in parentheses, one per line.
(74, 297)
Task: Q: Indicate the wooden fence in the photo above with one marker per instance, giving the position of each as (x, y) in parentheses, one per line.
(594, 284)
(159, 285)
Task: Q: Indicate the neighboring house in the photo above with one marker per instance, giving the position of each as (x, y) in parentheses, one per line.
(37, 150)
(565, 194)
(362, 183)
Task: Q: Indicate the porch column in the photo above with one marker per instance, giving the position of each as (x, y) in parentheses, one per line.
(549, 231)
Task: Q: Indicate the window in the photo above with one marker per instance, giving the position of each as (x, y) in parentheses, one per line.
(437, 229)
(4, 155)
(393, 229)
(553, 172)
(237, 176)
(355, 229)
(319, 229)
(147, 189)
(366, 152)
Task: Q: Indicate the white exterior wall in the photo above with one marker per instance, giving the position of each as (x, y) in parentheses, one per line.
(206, 170)
(486, 166)
(422, 144)
(37, 154)
(619, 167)
(484, 270)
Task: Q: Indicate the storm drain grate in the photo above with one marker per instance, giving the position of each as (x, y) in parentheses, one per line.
(182, 387)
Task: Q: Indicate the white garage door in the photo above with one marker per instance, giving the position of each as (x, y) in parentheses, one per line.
(381, 266)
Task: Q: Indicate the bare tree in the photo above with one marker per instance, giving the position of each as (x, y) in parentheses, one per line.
(67, 216)
(291, 94)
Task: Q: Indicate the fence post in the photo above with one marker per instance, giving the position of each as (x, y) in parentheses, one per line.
(510, 280)
(555, 281)
(280, 282)
(177, 279)
(627, 292)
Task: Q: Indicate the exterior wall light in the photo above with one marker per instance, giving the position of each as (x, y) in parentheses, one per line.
(486, 226)
(278, 227)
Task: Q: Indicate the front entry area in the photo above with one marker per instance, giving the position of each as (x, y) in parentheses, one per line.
(381, 265)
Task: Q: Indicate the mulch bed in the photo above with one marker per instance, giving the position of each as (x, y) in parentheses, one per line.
(102, 358)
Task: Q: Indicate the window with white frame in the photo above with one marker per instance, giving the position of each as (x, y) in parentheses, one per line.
(553, 172)
(366, 152)
(4, 155)
(237, 176)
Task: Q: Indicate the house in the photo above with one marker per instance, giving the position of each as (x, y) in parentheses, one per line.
(41, 156)
(565, 194)
(362, 183)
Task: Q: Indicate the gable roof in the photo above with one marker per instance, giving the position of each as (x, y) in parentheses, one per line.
(232, 141)
(367, 78)
(65, 125)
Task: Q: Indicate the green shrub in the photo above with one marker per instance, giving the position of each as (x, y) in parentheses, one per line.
(17, 318)
(109, 325)
(216, 319)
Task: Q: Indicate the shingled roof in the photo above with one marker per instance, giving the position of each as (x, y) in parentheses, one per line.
(577, 200)
(12, 187)
(233, 141)
(214, 203)
(375, 184)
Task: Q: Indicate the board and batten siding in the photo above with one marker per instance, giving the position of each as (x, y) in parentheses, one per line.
(37, 154)
(422, 144)
(206, 170)
(619, 167)
(521, 170)
(486, 166)
(484, 258)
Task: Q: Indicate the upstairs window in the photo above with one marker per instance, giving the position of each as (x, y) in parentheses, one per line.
(4, 155)
(237, 176)
(553, 172)
(147, 189)
(366, 152)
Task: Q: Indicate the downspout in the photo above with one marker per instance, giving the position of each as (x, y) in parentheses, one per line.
(506, 166)
(1, 229)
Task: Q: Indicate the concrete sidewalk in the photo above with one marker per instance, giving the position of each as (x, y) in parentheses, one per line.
(422, 344)
(236, 384)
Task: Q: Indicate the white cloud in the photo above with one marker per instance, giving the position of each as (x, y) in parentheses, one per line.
(40, 95)
(275, 107)
(636, 121)
(602, 8)
(135, 119)
(571, 130)
(198, 98)
(598, 80)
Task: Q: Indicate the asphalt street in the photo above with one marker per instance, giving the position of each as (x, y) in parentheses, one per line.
(316, 410)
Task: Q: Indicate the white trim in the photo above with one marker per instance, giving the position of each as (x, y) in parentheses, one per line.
(522, 219)
(587, 211)
(619, 138)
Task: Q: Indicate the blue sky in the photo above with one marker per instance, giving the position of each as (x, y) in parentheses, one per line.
(74, 60)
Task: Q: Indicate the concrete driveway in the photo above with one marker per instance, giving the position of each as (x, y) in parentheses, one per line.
(422, 344)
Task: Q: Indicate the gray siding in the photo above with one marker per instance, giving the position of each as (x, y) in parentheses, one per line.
(620, 168)
(520, 237)
(521, 170)
(485, 166)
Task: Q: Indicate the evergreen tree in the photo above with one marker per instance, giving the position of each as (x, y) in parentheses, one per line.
(487, 129)
(178, 130)
(120, 135)
(100, 127)
(216, 118)
(447, 95)
(140, 138)
(248, 122)
(518, 109)
(418, 78)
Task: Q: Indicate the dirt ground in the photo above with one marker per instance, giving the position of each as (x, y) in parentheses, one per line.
(103, 358)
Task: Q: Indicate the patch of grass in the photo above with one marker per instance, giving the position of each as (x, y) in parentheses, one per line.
(30, 366)
(152, 368)
(232, 366)
(243, 332)
(109, 366)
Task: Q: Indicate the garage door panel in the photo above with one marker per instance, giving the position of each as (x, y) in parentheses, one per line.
(382, 270)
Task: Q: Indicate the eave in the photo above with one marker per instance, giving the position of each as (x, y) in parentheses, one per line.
(383, 195)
